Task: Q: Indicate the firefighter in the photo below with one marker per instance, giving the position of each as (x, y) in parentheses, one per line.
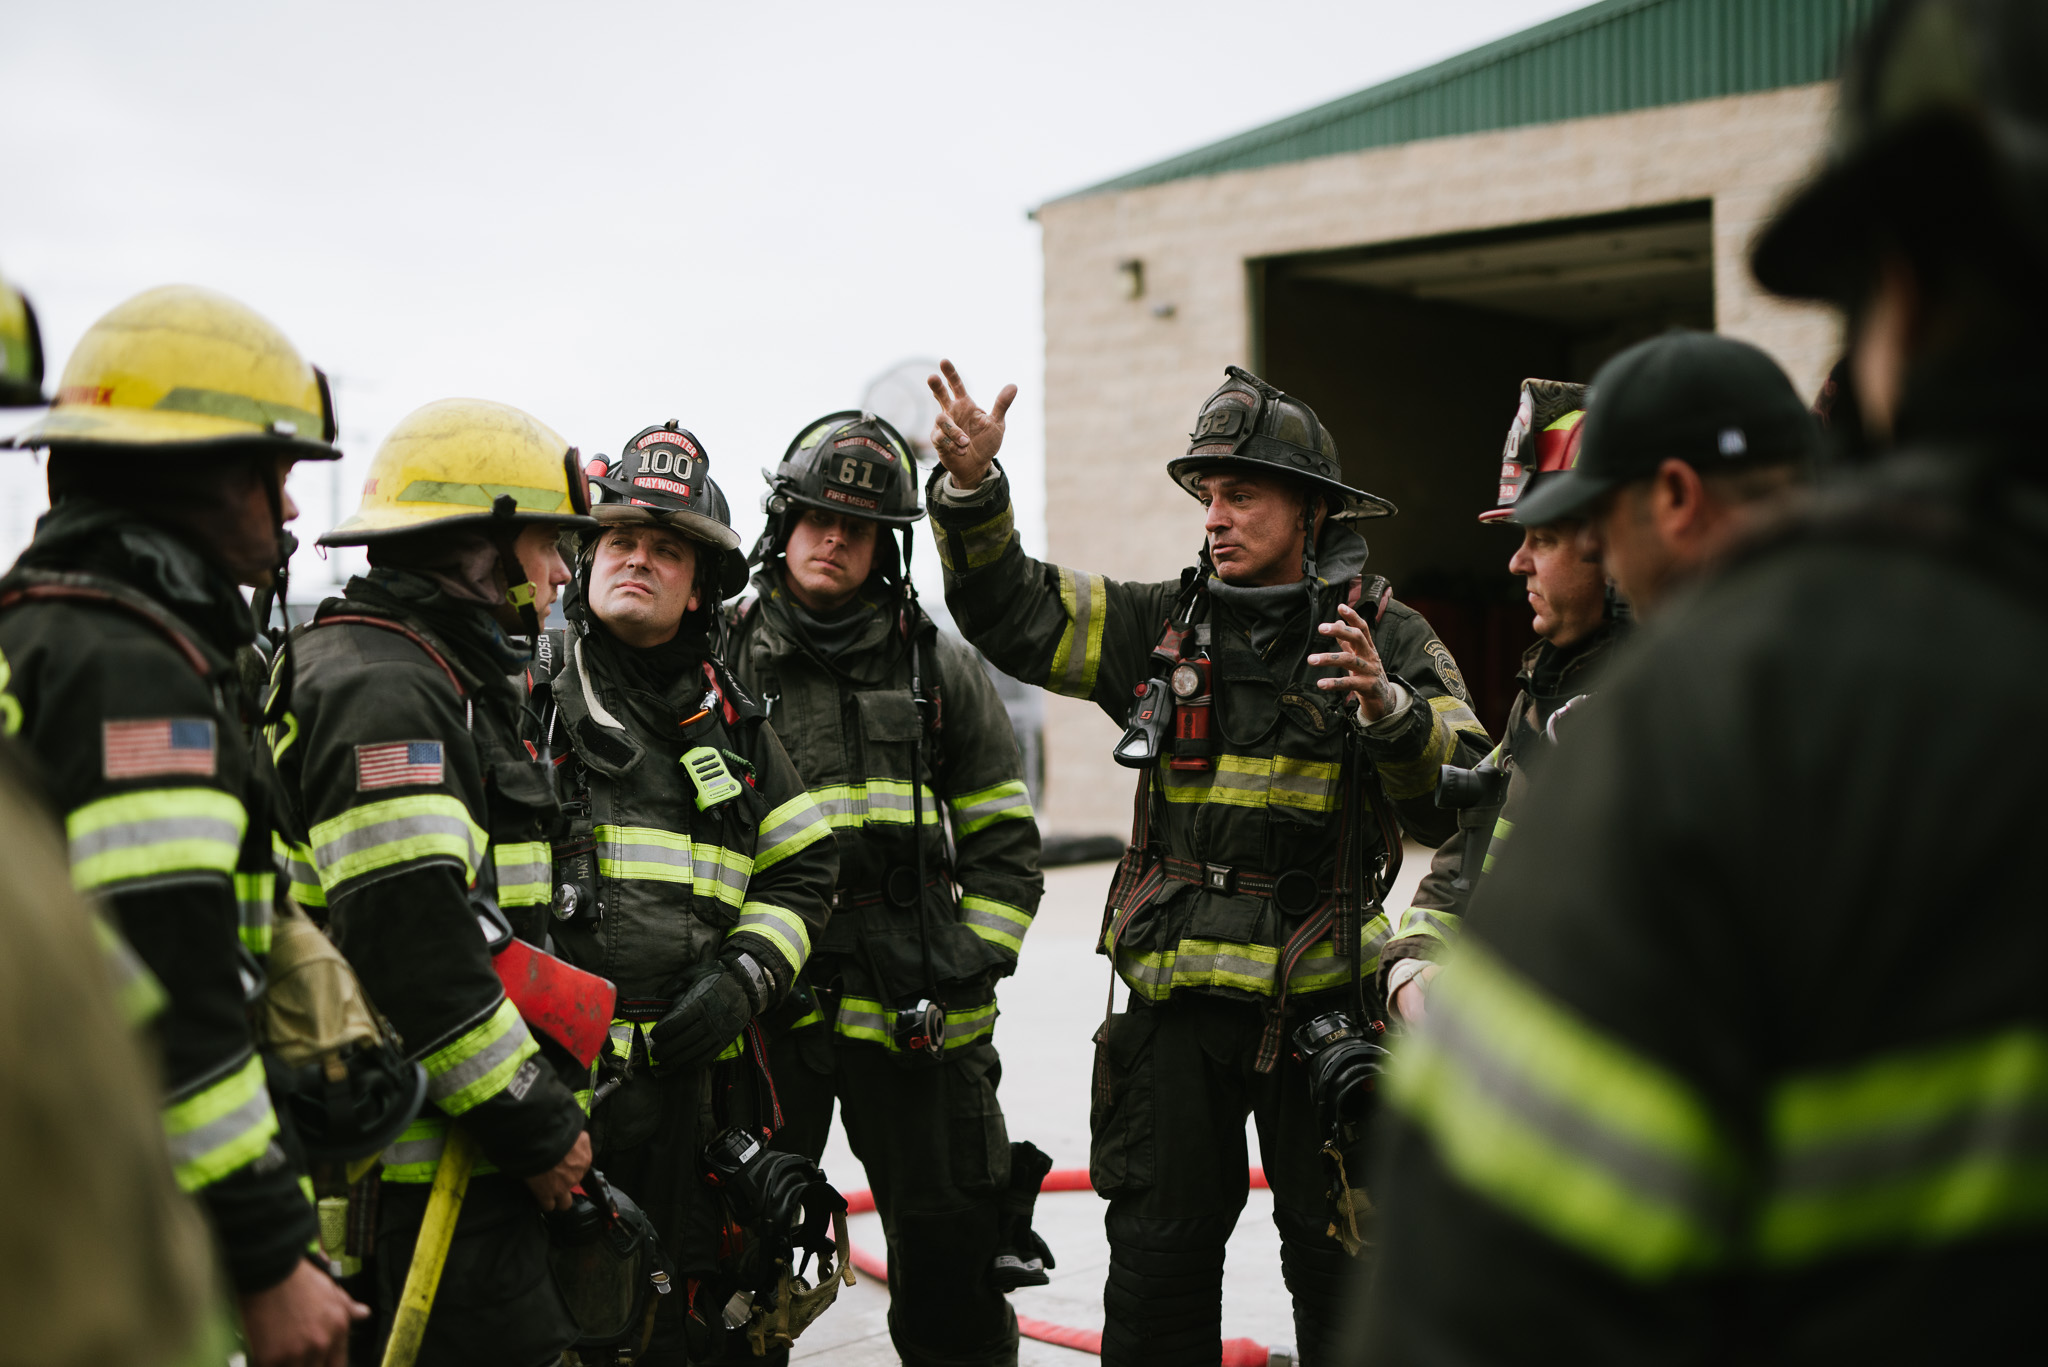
(1578, 623)
(1739, 1055)
(1285, 714)
(21, 351)
(176, 422)
(410, 802)
(696, 873)
(899, 735)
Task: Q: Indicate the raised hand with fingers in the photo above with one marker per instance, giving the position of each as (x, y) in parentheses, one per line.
(966, 435)
(1364, 676)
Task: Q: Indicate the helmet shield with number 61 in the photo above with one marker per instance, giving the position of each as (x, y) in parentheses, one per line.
(848, 462)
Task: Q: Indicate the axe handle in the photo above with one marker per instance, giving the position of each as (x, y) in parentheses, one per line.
(430, 1253)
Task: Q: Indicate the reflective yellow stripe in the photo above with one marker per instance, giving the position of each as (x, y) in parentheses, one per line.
(416, 1153)
(155, 834)
(1308, 785)
(1911, 1151)
(220, 1128)
(1449, 717)
(647, 853)
(1078, 656)
(479, 1063)
(999, 923)
(883, 801)
(1502, 829)
(1251, 968)
(783, 929)
(255, 907)
(395, 832)
(302, 880)
(1599, 1147)
(984, 807)
(796, 825)
(523, 872)
(983, 543)
(867, 1020)
(1433, 922)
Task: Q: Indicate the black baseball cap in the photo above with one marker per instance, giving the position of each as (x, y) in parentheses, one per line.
(1713, 402)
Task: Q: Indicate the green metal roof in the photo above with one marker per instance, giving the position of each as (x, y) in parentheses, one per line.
(1607, 58)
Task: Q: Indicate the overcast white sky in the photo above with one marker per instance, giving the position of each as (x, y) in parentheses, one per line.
(611, 214)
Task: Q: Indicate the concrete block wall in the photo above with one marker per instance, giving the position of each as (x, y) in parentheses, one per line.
(1122, 383)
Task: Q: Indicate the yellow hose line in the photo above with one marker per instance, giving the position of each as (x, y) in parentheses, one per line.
(430, 1254)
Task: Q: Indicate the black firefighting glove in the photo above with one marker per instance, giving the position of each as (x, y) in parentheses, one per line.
(714, 1005)
(1021, 1255)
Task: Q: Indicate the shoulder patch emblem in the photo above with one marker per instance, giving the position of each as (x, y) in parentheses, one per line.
(397, 764)
(159, 745)
(1446, 669)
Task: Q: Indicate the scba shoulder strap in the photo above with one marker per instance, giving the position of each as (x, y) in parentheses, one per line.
(43, 586)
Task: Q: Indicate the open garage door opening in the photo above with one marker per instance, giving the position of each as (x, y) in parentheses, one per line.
(1413, 354)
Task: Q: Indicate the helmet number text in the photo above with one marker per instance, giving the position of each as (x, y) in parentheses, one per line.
(858, 473)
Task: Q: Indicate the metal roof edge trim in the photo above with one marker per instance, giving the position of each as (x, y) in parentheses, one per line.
(1210, 158)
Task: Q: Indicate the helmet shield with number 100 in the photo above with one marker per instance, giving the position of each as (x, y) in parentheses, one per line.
(664, 477)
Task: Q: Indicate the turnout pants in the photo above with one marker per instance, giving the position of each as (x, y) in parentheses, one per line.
(1174, 1083)
(937, 1155)
(497, 1305)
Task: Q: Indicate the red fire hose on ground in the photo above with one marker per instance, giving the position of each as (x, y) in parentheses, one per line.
(1236, 1352)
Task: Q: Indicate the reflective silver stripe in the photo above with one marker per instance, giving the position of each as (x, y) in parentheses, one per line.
(502, 1050)
(1322, 790)
(196, 1144)
(788, 828)
(520, 870)
(345, 843)
(1085, 633)
(127, 835)
(407, 1151)
(711, 868)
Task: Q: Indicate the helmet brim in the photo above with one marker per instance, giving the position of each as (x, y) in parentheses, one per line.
(115, 429)
(1354, 505)
(695, 526)
(848, 510)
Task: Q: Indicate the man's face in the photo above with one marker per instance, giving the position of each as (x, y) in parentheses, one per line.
(542, 561)
(643, 579)
(1567, 595)
(1624, 535)
(1254, 527)
(246, 539)
(830, 556)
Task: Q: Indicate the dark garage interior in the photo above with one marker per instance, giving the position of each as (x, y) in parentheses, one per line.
(1413, 354)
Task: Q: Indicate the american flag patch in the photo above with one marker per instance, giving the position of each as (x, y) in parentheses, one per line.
(161, 745)
(400, 762)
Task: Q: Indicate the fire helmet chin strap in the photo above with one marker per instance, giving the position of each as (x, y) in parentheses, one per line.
(519, 590)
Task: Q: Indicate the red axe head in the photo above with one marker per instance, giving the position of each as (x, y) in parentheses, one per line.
(571, 1007)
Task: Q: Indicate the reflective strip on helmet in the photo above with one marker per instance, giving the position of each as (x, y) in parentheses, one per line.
(999, 923)
(1078, 656)
(783, 929)
(983, 544)
(1594, 1144)
(1251, 968)
(1406, 778)
(479, 1063)
(1914, 1150)
(154, 834)
(224, 1126)
(983, 808)
(524, 869)
(1433, 922)
(378, 836)
(255, 908)
(794, 826)
(884, 801)
(416, 1153)
(302, 880)
(259, 413)
(527, 498)
(1502, 829)
(867, 1020)
(136, 990)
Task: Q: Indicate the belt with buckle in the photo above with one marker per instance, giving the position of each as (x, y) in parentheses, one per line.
(1295, 892)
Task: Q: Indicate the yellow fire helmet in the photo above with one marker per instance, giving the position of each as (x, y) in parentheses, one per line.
(468, 463)
(21, 351)
(185, 367)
